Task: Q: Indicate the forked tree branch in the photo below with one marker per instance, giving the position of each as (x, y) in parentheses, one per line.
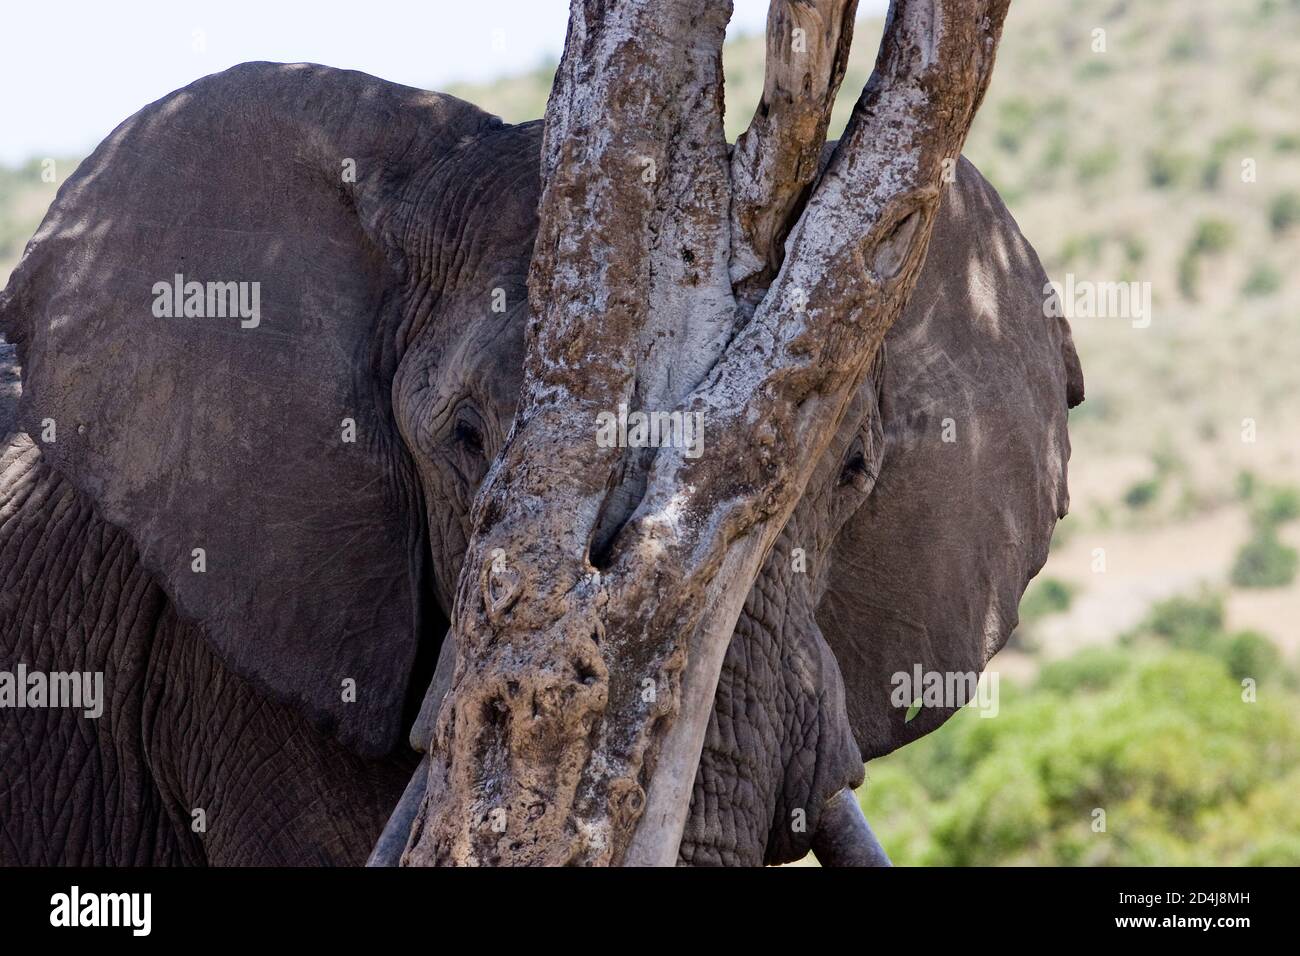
(786, 379)
(581, 694)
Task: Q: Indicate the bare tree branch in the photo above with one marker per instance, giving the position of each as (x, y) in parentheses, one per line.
(631, 307)
(786, 379)
(776, 159)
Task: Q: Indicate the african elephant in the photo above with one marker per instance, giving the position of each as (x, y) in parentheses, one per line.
(251, 521)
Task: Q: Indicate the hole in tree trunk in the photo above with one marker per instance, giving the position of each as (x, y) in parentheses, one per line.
(893, 249)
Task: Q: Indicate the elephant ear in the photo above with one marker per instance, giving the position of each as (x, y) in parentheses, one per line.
(10, 387)
(223, 445)
(927, 576)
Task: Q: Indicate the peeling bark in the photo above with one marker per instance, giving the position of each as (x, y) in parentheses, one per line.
(602, 585)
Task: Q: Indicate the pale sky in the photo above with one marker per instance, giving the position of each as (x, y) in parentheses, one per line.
(71, 71)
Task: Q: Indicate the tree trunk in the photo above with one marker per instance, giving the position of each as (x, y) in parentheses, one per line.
(602, 584)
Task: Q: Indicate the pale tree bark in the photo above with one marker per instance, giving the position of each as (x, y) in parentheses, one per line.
(775, 160)
(602, 585)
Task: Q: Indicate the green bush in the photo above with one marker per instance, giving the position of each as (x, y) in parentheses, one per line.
(1098, 164)
(1224, 146)
(1135, 250)
(1094, 668)
(1274, 505)
(1077, 249)
(1186, 772)
(1287, 143)
(1264, 561)
(1251, 654)
(1142, 493)
(1196, 623)
(1246, 485)
(1284, 212)
(1263, 280)
(1044, 597)
(1190, 44)
(1185, 621)
(1212, 237)
(1166, 168)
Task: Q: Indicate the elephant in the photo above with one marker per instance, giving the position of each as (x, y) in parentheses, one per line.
(252, 526)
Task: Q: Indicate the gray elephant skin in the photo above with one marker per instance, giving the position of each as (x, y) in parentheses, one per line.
(266, 600)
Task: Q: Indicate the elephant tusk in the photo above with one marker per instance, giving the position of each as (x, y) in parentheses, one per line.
(392, 842)
(844, 837)
(388, 848)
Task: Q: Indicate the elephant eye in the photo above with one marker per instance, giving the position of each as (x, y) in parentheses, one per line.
(468, 436)
(856, 471)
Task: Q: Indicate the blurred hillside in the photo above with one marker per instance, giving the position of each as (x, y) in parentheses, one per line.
(1165, 150)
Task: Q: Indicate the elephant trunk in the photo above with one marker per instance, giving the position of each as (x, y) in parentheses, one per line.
(844, 837)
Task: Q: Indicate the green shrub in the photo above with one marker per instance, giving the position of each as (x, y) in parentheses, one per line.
(1094, 668)
(1098, 163)
(1135, 250)
(1161, 741)
(1212, 237)
(1284, 212)
(1250, 654)
(1190, 44)
(1224, 146)
(1044, 597)
(1274, 505)
(1142, 493)
(1095, 67)
(1246, 485)
(1166, 168)
(1264, 561)
(1196, 623)
(1080, 248)
(1287, 143)
(1186, 621)
(1263, 280)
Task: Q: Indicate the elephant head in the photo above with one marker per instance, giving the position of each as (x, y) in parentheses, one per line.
(278, 319)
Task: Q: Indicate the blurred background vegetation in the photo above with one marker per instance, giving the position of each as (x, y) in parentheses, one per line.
(1173, 581)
